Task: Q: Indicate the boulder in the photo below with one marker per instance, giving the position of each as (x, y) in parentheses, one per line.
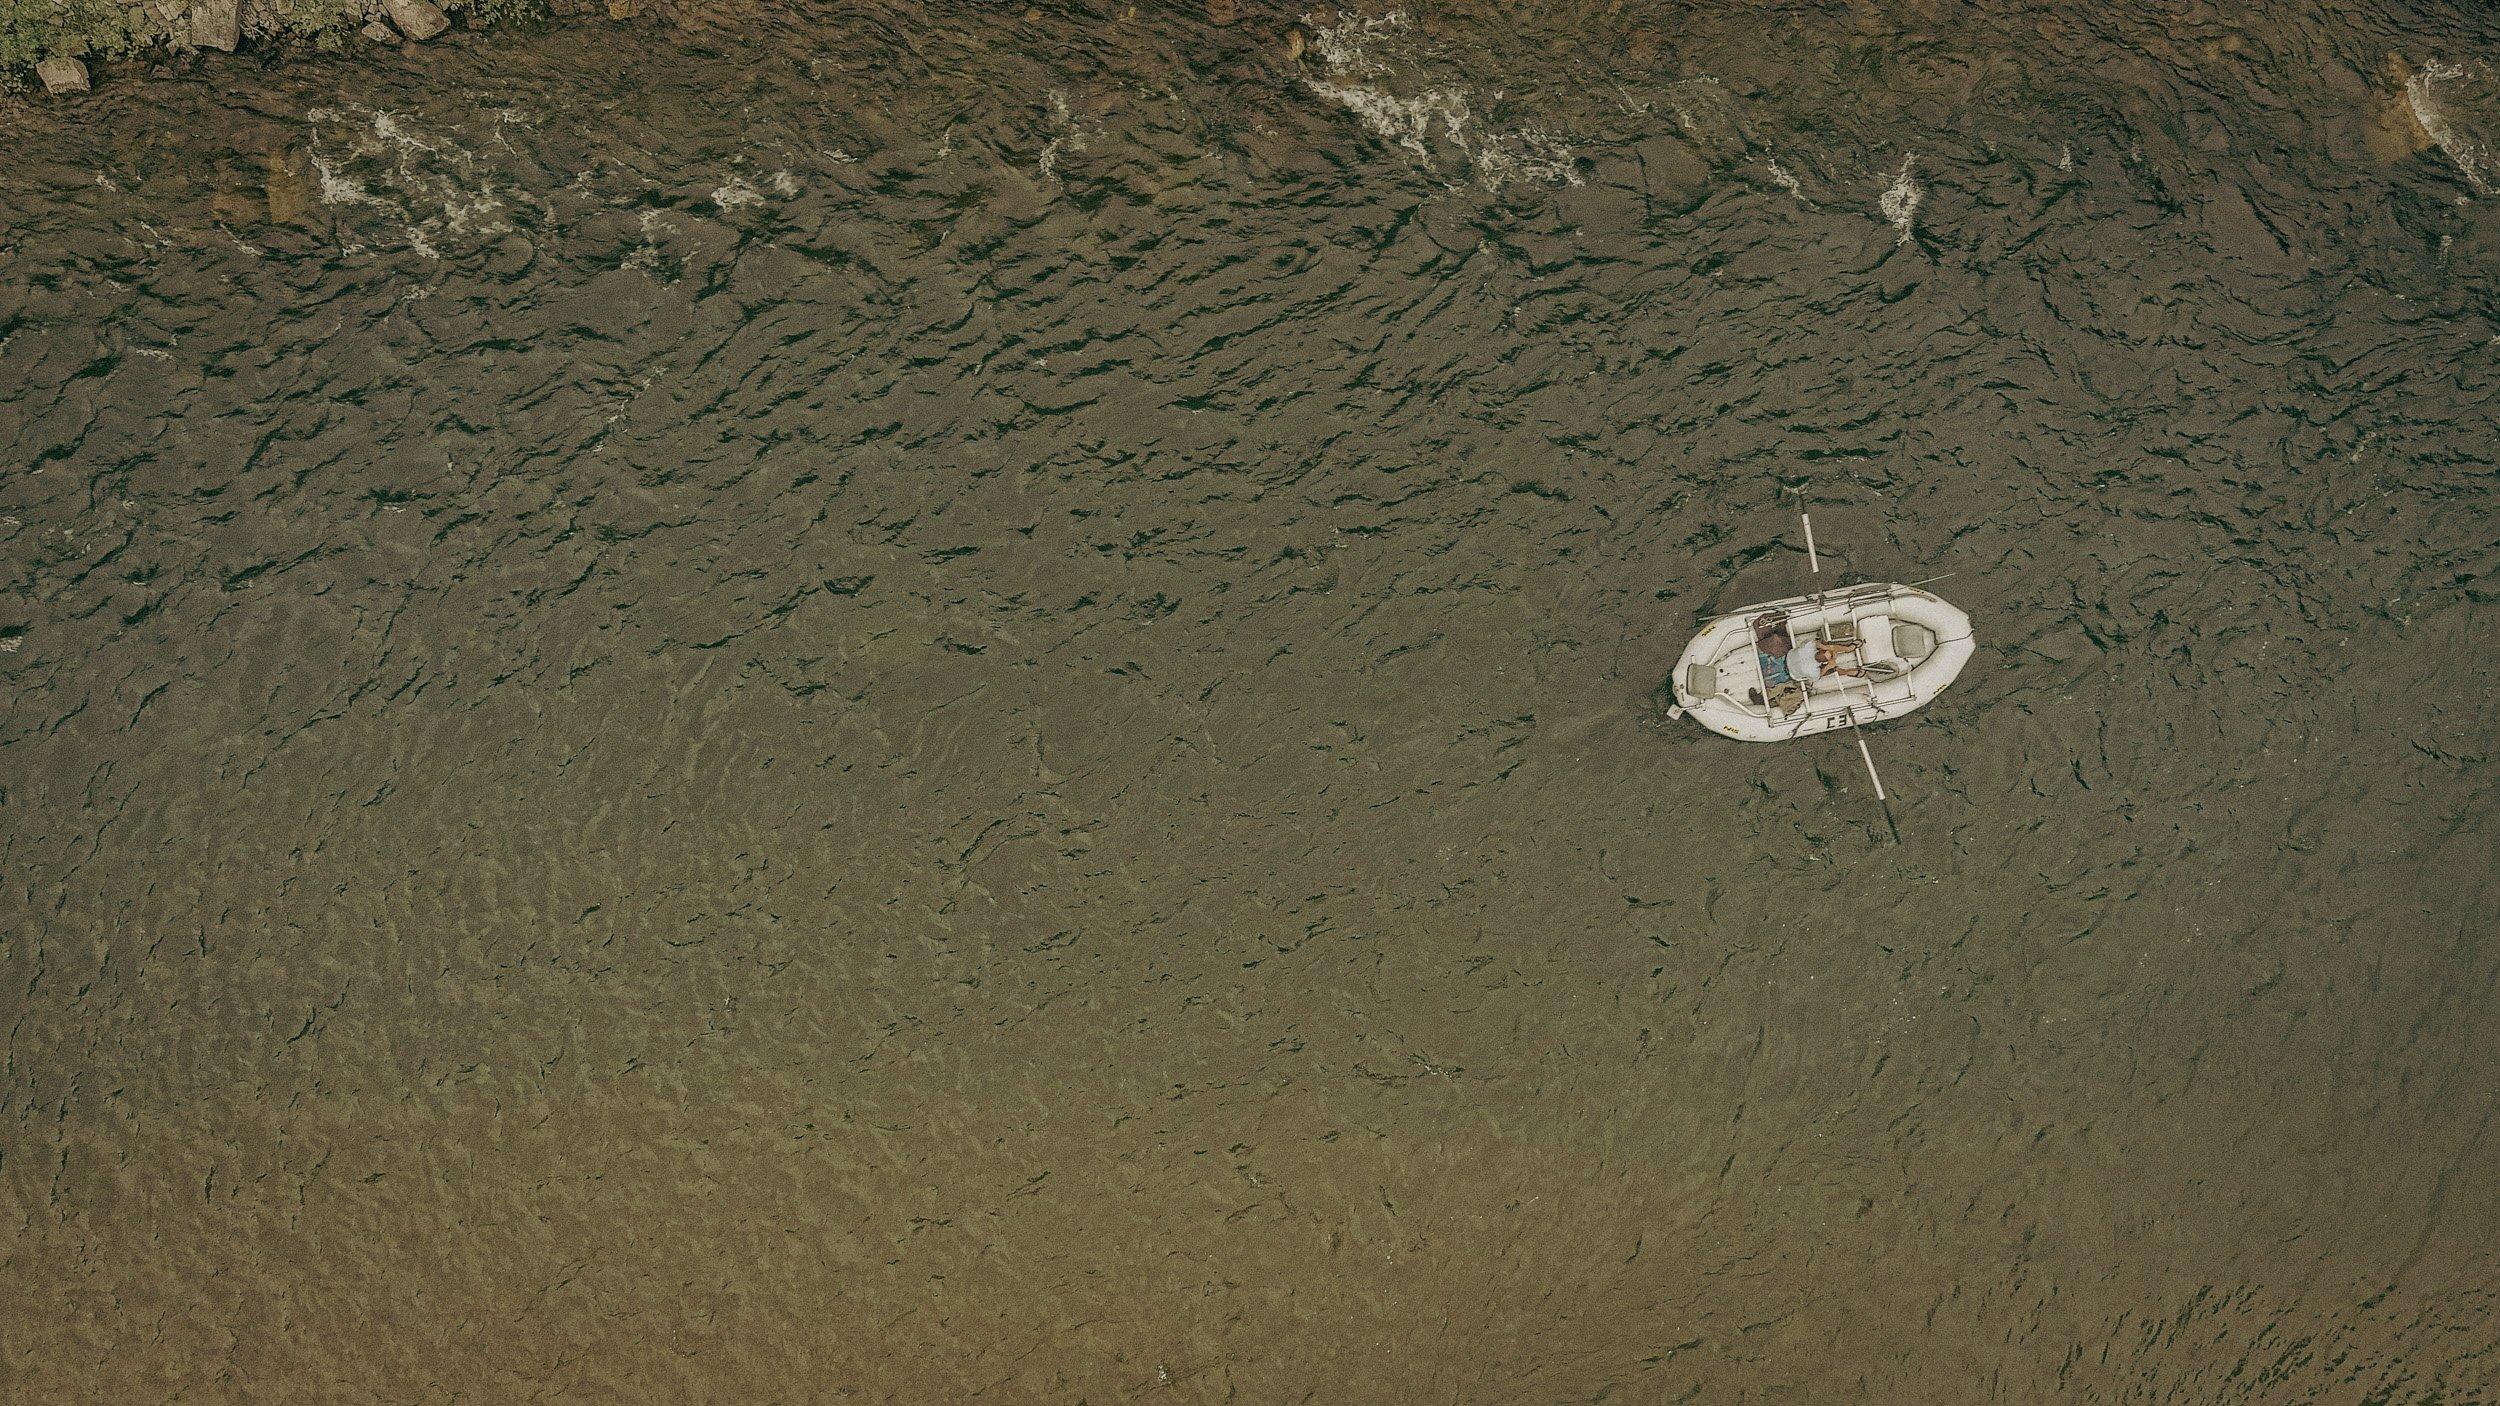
(216, 24)
(418, 19)
(62, 76)
(379, 32)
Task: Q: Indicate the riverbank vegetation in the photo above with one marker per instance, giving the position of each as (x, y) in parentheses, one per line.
(32, 31)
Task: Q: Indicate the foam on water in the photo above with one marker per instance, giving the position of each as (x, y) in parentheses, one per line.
(1708, 116)
(1063, 134)
(2424, 93)
(1900, 201)
(646, 252)
(1432, 116)
(428, 188)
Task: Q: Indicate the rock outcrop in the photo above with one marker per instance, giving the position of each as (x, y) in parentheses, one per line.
(62, 76)
(36, 33)
(418, 19)
(216, 24)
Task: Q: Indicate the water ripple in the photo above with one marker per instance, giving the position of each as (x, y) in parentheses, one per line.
(960, 702)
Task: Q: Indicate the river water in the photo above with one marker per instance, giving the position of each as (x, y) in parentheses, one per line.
(950, 703)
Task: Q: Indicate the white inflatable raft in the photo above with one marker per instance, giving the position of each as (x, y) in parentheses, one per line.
(1905, 644)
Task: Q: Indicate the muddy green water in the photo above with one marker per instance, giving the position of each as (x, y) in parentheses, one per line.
(927, 704)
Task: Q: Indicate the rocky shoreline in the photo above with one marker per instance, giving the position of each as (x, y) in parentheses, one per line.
(59, 45)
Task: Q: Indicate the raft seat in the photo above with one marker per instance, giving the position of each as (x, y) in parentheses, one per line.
(1912, 642)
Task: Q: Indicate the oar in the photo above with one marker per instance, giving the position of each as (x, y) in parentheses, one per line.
(1814, 563)
(1859, 734)
(1869, 758)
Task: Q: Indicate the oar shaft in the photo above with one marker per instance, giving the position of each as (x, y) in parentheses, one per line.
(1869, 758)
(1813, 562)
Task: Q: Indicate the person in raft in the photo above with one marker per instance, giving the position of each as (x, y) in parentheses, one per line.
(1827, 658)
(1778, 659)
